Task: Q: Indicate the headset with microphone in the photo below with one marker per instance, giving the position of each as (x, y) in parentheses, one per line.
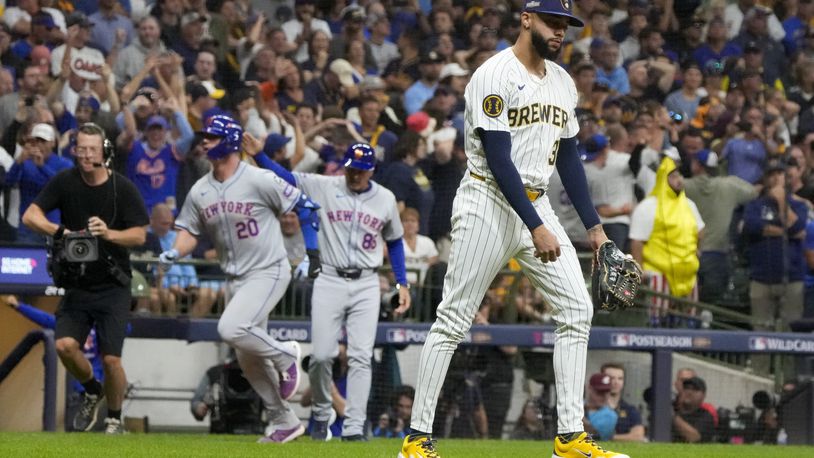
(108, 151)
(108, 148)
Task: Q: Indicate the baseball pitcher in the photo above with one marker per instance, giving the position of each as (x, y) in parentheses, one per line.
(519, 124)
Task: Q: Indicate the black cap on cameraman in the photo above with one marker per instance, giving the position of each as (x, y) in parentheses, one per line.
(695, 383)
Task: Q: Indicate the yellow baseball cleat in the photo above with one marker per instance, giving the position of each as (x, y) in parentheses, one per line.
(420, 447)
(583, 446)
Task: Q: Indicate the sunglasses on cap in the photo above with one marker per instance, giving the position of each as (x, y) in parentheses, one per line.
(150, 94)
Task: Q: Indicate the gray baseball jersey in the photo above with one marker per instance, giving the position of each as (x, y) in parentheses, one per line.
(234, 214)
(353, 227)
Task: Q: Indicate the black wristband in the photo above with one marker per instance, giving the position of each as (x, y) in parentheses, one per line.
(59, 232)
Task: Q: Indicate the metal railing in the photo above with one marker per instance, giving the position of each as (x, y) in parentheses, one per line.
(296, 305)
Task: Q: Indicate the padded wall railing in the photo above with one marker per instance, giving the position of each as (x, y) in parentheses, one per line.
(49, 360)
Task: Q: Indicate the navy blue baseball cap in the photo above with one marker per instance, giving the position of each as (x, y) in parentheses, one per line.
(43, 18)
(593, 146)
(158, 120)
(274, 142)
(556, 8)
(89, 101)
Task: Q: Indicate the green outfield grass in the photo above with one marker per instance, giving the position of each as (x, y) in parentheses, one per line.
(201, 445)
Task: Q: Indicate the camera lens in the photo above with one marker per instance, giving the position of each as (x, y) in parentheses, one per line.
(80, 249)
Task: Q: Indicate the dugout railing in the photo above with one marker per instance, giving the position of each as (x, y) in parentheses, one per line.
(294, 304)
(684, 313)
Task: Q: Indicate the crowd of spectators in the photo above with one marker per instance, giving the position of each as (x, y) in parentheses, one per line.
(696, 119)
(696, 130)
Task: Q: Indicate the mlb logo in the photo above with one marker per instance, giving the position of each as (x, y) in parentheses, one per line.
(758, 343)
(538, 338)
(620, 340)
(397, 335)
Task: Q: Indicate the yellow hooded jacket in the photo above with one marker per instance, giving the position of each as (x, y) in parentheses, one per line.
(673, 242)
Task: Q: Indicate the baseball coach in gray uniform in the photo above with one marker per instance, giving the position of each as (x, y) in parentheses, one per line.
(358, 217)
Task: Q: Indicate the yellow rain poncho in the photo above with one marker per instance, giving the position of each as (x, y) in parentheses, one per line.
(673, 243)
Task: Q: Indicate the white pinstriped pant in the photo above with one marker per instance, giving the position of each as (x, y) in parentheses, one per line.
(244, 326)
(486, 233)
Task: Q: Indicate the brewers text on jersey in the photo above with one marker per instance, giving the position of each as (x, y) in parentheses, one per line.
(537, 113)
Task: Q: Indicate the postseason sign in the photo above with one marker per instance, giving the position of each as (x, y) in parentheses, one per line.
(631, 339)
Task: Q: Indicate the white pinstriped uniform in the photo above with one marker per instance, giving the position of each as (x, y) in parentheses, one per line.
(239, 215)
(486, 232)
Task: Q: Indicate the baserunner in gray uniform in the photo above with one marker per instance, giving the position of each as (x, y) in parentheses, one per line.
(236, 205)
(357, 216)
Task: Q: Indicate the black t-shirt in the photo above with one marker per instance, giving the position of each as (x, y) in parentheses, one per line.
(411, 186)
(117, 202)
(699, 419)
(445, 179)
(408, 67)
(628, 417)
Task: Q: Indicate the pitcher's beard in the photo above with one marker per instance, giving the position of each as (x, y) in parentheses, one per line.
(543, 49)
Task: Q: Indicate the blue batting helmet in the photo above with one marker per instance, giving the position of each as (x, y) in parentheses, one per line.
(360, 156)
(555, 7)
(228, 130)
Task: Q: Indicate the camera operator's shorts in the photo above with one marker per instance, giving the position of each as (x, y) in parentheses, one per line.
(107, 309)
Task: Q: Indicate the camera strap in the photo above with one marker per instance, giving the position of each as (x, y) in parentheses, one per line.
(108, 259)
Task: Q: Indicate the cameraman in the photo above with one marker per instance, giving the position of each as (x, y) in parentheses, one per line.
(691, 422)
(226, 396)
(106, 204)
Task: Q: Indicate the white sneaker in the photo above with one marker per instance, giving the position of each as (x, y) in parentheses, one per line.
(113, 426)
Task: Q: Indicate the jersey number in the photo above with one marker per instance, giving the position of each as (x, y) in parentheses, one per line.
(247, 229)
(552, 159)
(369, 241)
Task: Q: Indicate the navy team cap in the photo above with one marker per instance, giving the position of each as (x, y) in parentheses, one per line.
(555, 7)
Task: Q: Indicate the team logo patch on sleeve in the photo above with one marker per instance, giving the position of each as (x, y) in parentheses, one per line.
(493, 105)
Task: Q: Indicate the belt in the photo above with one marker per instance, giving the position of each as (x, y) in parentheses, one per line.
(347, 274)
(531, 193)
